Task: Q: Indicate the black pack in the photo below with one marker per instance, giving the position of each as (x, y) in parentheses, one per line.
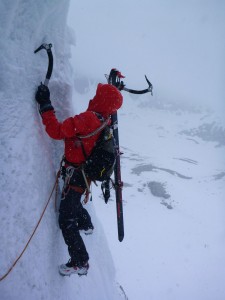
(100, 163)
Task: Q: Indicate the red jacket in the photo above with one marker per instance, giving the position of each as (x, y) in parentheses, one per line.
(107, 101)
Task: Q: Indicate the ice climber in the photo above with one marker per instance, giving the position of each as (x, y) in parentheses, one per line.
(73, 217)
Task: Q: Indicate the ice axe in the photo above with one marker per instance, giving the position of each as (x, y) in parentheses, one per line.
(47, 47)
(114, 78)
(149, 89)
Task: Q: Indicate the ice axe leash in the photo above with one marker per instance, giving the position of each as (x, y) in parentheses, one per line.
(47, 47)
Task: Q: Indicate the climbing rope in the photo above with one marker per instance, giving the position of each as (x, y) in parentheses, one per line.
(38, 223)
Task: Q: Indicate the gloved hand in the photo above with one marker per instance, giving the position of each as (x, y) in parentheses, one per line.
(114, 79)
(43, 98)
(121, 86)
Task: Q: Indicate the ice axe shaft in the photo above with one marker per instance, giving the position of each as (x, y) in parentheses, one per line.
(47, 47)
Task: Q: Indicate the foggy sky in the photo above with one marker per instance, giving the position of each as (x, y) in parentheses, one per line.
(180, 45)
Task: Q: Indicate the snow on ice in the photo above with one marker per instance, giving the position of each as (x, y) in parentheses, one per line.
(173, 145)
(30, 160)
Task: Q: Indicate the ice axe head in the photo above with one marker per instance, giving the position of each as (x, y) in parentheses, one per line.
(114, 78)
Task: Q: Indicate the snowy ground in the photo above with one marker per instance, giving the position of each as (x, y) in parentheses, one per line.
(172, 166)
(173, 162)
(174, 207)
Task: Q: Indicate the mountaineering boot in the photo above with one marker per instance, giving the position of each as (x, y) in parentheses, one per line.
(70, 268)
(87, 231)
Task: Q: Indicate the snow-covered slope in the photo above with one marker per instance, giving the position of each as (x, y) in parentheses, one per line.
(173, 162)
(30, 159)
(174, 208)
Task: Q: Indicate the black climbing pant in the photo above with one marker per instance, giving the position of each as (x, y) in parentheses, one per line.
(74, 217)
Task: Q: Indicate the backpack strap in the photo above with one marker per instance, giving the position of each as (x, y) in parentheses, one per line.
(96, 131)
(83, 150)
(99, 129)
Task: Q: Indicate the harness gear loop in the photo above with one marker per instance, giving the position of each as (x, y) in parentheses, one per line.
(86, 198)
(85, 180)
(68, 173)
(59, 173)
(88, 184)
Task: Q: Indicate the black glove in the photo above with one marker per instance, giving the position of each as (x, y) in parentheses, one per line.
(114, 79)
(121, 86)
(43, 98)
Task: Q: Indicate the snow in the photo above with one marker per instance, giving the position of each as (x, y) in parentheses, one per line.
(173, 144)
(30, 160)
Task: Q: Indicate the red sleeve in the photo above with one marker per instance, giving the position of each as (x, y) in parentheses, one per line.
(82, 124)
(55, 129)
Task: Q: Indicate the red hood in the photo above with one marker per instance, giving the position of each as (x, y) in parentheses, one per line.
(107, 100)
